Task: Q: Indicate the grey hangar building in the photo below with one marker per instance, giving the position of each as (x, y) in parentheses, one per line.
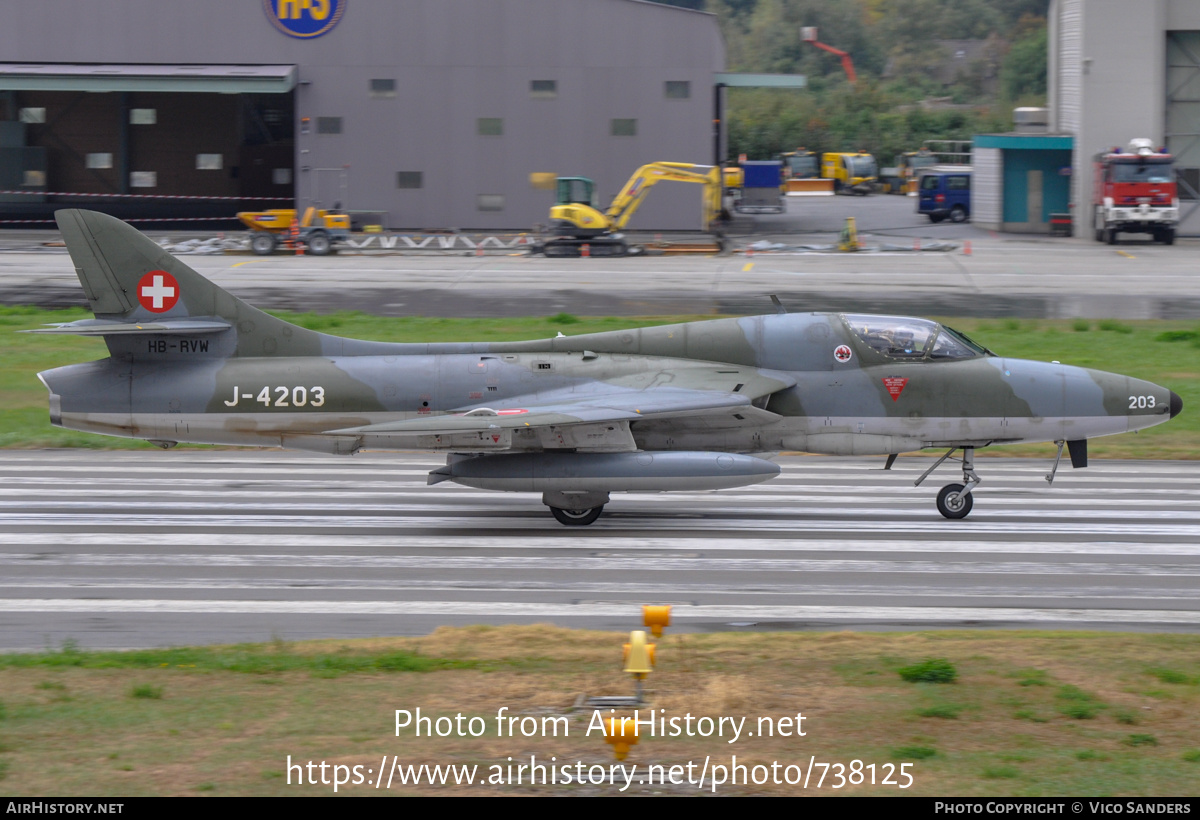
(418, 114)
(432, 114)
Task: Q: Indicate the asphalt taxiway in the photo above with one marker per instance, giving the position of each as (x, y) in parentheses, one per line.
(986, 275)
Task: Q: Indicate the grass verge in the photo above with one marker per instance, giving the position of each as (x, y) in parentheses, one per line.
(224, 720)
(1164, 352)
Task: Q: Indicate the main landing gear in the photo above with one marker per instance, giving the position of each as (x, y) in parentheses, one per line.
(576, 518)
(955, 500)
(575, 508)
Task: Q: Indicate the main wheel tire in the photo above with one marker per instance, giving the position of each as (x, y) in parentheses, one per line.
(953, 503)
(958, 214)
(263, 244)
(577, 518)
(319, 243)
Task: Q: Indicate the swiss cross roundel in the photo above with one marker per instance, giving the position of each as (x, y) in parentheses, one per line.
(158, 291)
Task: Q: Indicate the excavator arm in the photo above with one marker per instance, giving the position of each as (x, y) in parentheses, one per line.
(582, 230)
(630, 198)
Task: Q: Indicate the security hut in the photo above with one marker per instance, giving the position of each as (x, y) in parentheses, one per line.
(1022, 179)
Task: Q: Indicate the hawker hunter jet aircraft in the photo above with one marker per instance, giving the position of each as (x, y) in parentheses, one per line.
(679, 407)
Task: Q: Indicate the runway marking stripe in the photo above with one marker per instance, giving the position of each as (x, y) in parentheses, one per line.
(552, 610)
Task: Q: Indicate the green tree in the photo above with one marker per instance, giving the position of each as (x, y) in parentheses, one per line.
(1024, 71)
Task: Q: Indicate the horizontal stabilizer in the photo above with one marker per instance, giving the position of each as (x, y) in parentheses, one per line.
(106, 327)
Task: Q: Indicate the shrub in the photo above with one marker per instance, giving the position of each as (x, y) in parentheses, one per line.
(1140, 740)
(941, 710)
(933, 670)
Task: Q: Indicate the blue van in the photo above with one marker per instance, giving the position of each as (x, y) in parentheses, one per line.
(945, 193)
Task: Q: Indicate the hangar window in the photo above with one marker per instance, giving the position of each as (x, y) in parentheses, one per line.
(143, 179)
(281, 176)
(1189, 183)
(33, 115)
(329, 125)
(678, 90)
(409, 179)
(34, 179)
(490, 126)
(209, 162)
(383, 89)
(543, 89)
(99, 161)
(143, 116)
(491, 202)
(624, 128)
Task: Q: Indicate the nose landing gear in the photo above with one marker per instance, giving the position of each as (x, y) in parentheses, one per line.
(955, 500)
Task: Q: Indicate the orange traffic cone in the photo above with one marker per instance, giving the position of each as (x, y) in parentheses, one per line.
(294, 238)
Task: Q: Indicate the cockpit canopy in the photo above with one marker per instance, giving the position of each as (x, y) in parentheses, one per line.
(907, 339)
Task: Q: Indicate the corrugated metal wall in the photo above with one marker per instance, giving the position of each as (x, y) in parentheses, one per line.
(987, 187)
(1183, 121)
(1069, 101)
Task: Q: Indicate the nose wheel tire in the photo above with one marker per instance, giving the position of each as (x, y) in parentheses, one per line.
(953, 503)
(576, 518)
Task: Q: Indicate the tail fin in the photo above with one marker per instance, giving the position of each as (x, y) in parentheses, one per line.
(131, 281)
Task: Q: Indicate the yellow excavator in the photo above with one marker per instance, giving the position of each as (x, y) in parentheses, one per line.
(576, 221)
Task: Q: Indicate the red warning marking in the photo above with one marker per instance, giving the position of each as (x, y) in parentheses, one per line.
(158, 291)
(496, 439)
(510, 412)
(894, 385)
(842, 353)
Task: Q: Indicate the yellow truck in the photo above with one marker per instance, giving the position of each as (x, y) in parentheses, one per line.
(317, 230)
(852, 173)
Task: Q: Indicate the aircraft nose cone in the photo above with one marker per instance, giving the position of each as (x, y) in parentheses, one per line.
(1176, 404)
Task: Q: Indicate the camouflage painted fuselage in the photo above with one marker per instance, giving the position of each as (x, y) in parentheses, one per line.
(205, 389)
(663, 408)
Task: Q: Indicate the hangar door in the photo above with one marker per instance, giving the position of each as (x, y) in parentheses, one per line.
(1183, 122)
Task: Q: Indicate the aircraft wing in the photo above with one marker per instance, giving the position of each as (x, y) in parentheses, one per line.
(604, 409)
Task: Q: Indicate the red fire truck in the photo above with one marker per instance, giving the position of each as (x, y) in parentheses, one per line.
(1134, 192)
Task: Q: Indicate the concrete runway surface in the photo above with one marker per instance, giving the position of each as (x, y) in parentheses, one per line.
(134, 549)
